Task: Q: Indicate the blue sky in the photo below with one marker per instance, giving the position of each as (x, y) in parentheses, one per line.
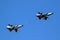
(24, 12)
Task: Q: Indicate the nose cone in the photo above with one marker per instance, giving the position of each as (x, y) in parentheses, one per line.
(50, 13)
(20, 25)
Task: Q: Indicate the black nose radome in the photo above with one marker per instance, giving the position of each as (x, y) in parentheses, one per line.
(22, 25)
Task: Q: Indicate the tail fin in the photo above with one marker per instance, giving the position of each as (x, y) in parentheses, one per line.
(16, 30)
(9, 29)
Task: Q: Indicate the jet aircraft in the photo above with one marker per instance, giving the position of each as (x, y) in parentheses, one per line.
(45, 15)
(13, 27)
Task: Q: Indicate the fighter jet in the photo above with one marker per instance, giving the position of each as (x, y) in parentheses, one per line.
(12, 27)
(45, 15)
